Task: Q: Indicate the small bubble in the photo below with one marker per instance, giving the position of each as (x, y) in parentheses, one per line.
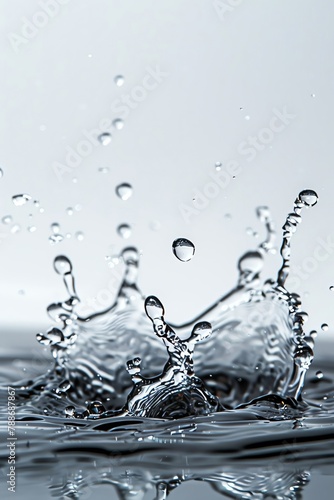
(68, 235)
(7, 219)
(119, 80)
(32, 229)
(74, 180)
(16, 228)
(247, 117)
(308, 197)
(124, 230)
(79, 235)
(331, 288)
(124, 191)
(1, 173)
(105, 138)
(20, 199)
(324, 327)
(104, 170)
(183, 249)
(319, 374)
(312, 95)
(90, 55)
(218, 166)
(118, 123)
(69, 211)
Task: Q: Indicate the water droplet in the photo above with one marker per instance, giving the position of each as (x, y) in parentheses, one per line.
(79, 235)
(105, 138)
(319, 374)
(69, 211)
(124, 230)
(16, 228)
(32, 229)
(55, 238)
(308, 197)
(55, 227)
(7, 219)
(20, 199)
(118, 123)
(218, 166)
(104, 170)
(119, 80)
(324, 327)
(183, 249)
(96, 408)
(124, 191)
(62, 265)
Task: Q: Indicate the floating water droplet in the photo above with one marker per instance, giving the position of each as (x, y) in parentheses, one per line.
(105, 138)
(20, 199)
(32, 229)
(124, 191)
(218, 166)
(308, 197)
(104, 170)
(183, 249)
(79, 235)
(55, 238)
(324, 327)
(7, 219)
(118, 123)
(319, 374)
(62, 265)
(16, 228)
(119, 80)
(55, 227)
(69, 211)
(124, 230)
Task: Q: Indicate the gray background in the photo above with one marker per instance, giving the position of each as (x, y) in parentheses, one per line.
(227, 73)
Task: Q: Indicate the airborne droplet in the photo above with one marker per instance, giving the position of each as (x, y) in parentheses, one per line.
(105, 138)
(119, 80)
(124, 230)
(118, 123)
(124, 191)
(183, 249)
(308, 197)
(20, 199)
(62, 265)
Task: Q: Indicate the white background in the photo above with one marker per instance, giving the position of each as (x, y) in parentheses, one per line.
(257, 55)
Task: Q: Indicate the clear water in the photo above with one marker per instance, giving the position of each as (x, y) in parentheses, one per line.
(134, 403)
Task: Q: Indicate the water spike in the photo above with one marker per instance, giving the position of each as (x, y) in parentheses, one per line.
(264, 215)
(306, 198)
